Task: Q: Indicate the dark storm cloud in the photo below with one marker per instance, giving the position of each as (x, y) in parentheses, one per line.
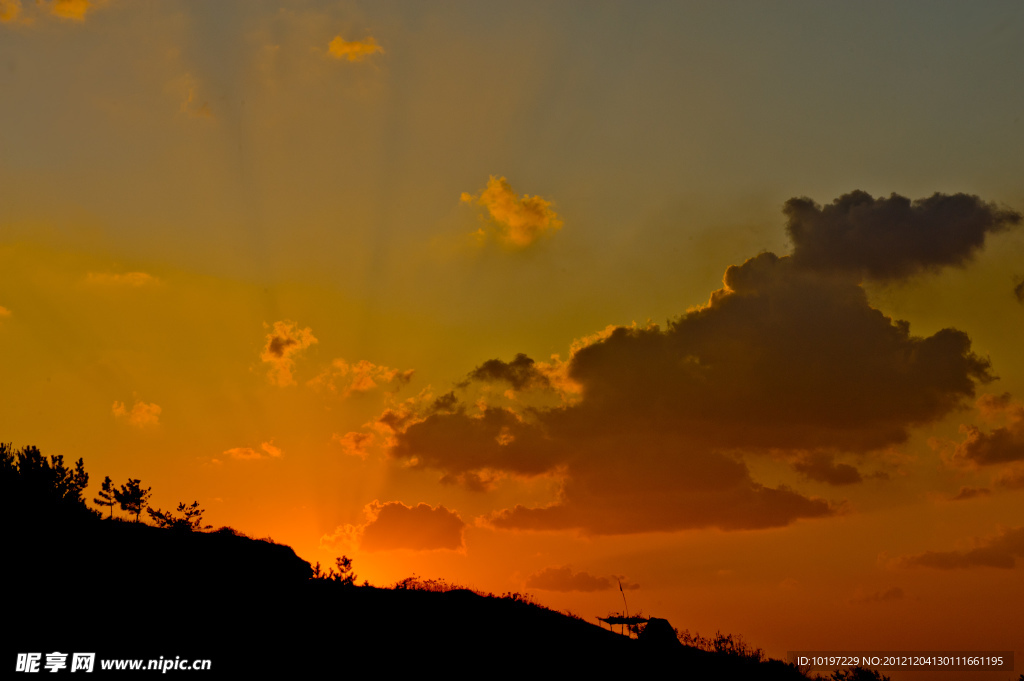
(891, 238)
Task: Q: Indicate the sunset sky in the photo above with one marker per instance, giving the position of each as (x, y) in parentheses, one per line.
(722, 300)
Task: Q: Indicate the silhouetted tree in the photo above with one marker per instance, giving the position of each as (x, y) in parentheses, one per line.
(32, 484)
(105, 497)
(132, 497)
(190, 520)
(343, 574)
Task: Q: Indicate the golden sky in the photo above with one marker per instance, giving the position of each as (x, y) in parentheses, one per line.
(723, 301)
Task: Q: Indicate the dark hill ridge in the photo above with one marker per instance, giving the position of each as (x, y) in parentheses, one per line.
(77, 583)
(128, 590)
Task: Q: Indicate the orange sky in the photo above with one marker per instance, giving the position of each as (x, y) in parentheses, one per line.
(534, 297)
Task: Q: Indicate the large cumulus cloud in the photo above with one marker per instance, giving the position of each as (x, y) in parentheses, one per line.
(784, 358)
(781, 358)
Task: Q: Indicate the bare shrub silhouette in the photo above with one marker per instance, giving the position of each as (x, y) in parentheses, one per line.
(517, 597)
(723, 644)
(226, 529)
(415, 583)
(858, 674)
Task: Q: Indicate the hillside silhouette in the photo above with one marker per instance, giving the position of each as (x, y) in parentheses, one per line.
(78, 582)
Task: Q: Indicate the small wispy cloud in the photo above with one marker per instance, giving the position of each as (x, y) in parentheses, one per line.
(1011, 477)
(267, 451)
(516, 221)
(70, 9)
(26, 13)
(354, 50)
(141, 415)
(186, 89)
(360, 377)
(283, 344)
(355, 443)
(966, 493)
(120, 279)
(9, 10)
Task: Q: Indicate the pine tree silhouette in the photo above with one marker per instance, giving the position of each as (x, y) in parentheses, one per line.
(105, 497)
(132, 497)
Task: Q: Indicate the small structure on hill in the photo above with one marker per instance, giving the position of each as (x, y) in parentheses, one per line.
(612, 620)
